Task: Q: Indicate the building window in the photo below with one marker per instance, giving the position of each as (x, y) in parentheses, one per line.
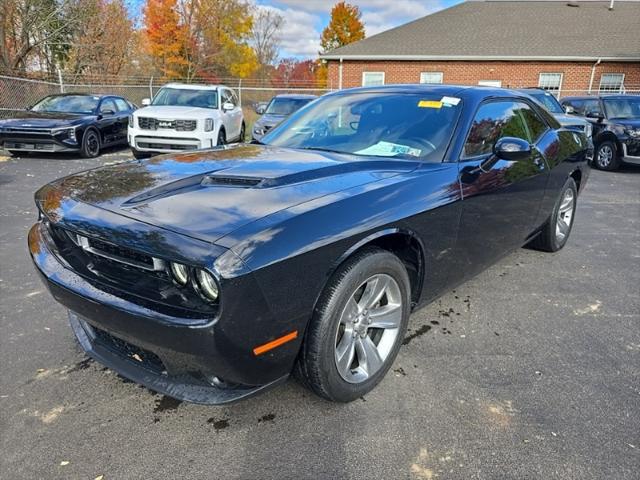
(372, 79)
(612, 82)
(490, 83)
(431, 77)
(551, 82)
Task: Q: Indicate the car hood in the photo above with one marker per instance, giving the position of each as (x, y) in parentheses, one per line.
(209, 194)
(30, 119)
(566, 120)
(627, 122)
(269, 120)
(172, 112)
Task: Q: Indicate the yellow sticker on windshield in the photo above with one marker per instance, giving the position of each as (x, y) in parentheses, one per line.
(429, 104)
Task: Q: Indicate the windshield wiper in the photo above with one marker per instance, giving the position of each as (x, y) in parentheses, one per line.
(321, 149)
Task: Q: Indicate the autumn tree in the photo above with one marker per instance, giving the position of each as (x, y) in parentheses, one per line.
(345, 27)
(265, 38)
(221, 31)
(293, 73)
(167, 38)
(101, 38)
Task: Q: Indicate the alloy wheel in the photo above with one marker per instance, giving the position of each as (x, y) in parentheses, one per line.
(93, 145)
(565, 215)
(368, 328)
(605, 155)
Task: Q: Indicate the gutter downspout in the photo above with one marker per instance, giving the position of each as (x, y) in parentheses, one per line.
(340, 75)
(593, 74)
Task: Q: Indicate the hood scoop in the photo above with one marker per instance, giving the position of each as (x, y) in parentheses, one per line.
(231, 181)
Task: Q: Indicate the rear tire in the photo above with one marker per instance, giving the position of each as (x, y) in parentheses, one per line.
(243, 134)
(90, 144)
(556, 231)
(357, 328)
(606, 157)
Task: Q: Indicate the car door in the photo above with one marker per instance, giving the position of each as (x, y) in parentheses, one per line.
(501, 198)
(108, 120)
(230, 116)
(124, 110)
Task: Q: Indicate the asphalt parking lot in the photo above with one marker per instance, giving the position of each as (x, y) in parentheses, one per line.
(531, 370)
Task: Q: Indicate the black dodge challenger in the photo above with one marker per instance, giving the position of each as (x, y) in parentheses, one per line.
(213, 275)
(68, 122)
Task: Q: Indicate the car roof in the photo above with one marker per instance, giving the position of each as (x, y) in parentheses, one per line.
(193, 86)
(595, 97)
(83, 94)
(299, 96)
(469, 92)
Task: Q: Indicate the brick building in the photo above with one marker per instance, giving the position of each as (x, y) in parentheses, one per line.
(568, 47)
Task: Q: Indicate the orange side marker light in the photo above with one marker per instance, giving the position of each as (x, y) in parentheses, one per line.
(275, 343)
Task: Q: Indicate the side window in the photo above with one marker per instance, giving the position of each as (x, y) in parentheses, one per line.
(107, 104)
(591, 107)
(536, 125)
(122, 104)
(234, 98)
(226, 96)
(493, 121)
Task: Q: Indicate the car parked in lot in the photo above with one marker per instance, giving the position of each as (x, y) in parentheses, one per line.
(616, 127)
(551, 103)
(211, 276)
(185, 117)
(279, 108)
(68, 122)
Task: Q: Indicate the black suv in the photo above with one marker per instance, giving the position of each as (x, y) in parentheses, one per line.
(616, 127)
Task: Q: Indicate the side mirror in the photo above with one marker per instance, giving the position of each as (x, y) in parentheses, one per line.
(569, 109)
(260, 109)
(146, 102)
(512, 148)
(226, 106)
(594, 114)
(27, 108)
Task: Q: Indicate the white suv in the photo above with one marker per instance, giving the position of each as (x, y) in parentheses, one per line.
(186, 117)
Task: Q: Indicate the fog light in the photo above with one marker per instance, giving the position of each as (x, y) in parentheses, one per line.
(207, 285)
(180, 273)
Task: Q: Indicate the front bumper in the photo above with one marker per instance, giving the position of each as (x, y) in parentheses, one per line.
(170, 141)
(631, 151)
(36, 142)
(200, 362)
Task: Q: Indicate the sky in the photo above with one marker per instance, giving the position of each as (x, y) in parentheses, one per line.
(305, 19)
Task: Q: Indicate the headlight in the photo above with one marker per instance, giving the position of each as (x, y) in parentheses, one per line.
(633, 133)
(131, 121)
(207, 285)
(208, 125)
(180, 273)
(588, 130)
(69, 132)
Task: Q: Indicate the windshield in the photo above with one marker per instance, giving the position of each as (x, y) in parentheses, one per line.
(372, 124)
(622, 107)
(184, 97)
(68, 104)
(286, 106)
(548, 101)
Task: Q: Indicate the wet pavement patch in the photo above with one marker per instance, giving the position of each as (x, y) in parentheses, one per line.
(267, 418)
(421, 331)
(219, 424)
(83, 365)
(166, 404)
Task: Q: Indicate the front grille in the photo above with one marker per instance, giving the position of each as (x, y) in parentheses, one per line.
(147, 123)
(44, 147)
(31, 131)
(116, 252)
(122, 348)
(166, 146)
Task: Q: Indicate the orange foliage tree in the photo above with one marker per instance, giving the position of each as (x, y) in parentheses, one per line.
(345, 27)
(167, 38)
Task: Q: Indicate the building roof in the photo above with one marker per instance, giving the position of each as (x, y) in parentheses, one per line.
(510, 30)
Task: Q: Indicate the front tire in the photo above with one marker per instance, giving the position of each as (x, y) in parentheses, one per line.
(556, 231)
(243, 133)
(606, 157)
(357, 327)
(222, 137)
(138, 155)
(90, 144)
